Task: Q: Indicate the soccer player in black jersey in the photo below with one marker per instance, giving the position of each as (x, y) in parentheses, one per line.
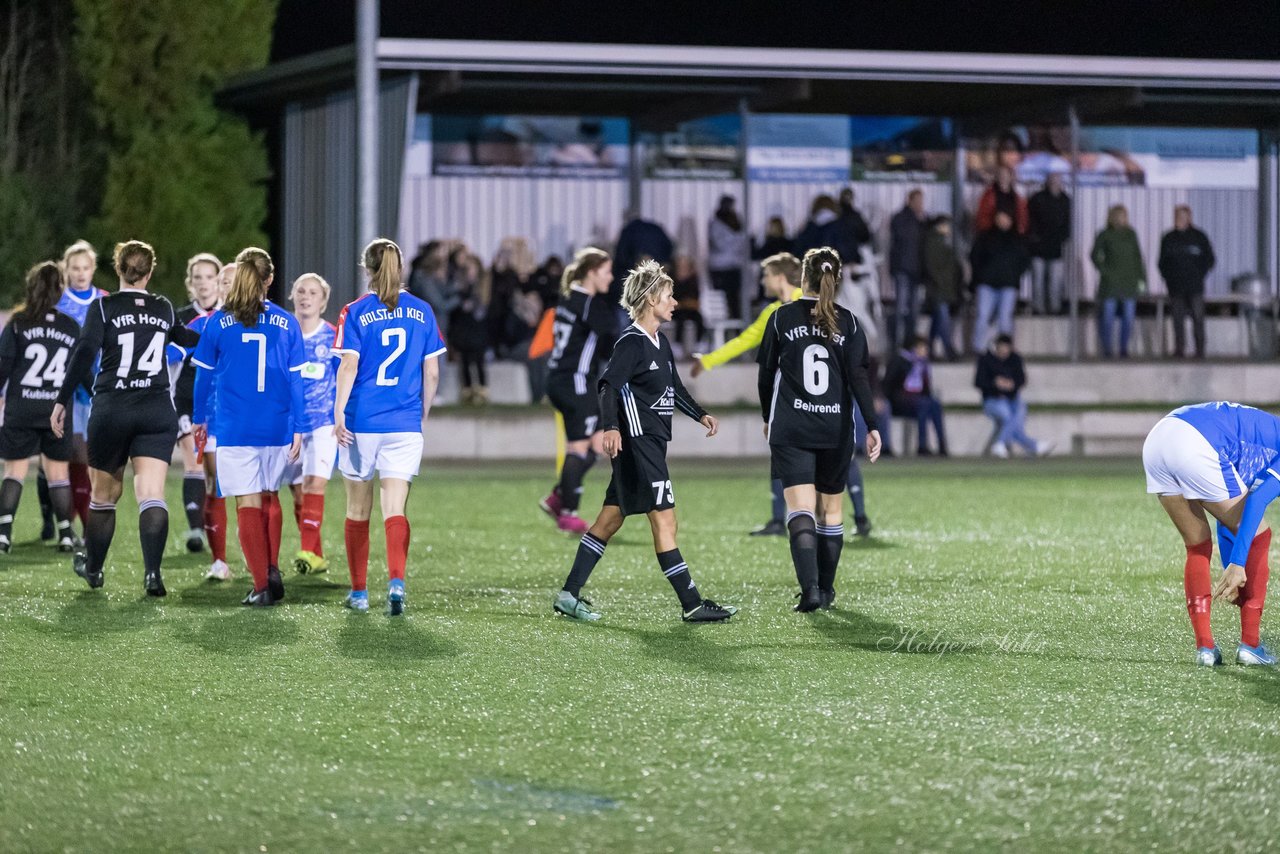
(34, 349)
(133, 418)
(585, 328)
(813, 367)
(639, 392)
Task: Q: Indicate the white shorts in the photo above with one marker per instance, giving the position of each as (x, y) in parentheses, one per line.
(245, 470)
(1180, 461)
(319, 451)
(80, 417)
(211, 444)
(394, 455)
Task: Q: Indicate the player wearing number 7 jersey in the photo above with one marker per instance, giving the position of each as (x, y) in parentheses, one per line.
(390, 344)
(813, 368)
(133, 418)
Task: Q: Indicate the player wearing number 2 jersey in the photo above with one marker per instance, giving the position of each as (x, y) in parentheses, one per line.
(813, 368)
(389, 343)
(133, 417)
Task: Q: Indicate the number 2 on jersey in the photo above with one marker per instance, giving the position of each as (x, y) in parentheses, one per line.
(817, 375)
(38, 373)
(387, 336)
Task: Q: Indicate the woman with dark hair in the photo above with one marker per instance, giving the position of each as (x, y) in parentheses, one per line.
(728, 247)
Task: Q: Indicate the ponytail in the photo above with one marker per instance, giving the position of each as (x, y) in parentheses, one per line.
(584, 261)
(248, 293)
(820, 275)
(45, 282)
(383, 261)
(134, 261)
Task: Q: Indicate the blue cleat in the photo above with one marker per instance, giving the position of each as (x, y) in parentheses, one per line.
(1254, 655)
(357, 600)
(1208, 656)
(395, 597)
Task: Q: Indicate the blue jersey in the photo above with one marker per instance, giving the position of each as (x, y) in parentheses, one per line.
(76, 305)
(257, 374)
(319, 376)
(1244, 437)
(392, 345)
(204, 408)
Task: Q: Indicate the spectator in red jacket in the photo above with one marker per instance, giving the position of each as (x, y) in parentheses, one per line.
(1002, 196)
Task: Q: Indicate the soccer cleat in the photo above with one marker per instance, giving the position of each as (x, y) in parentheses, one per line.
(275, 583)
(154, 584)
(1208, 656)
(259, 598)
(357, 600)
(195, 540)
(772, 528)
(5, 545)
(80, 566)
(709, 612)
(828, 598)
(219, 571)
(66, 544)
(574, 607)
(1000, 450)
(1254, 655)
(552, 505)
(310, 562)
(862, 526)
(395, 597)
(810, 600)
(572, 523)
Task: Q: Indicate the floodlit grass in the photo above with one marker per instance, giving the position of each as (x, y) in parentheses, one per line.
(1008, 665)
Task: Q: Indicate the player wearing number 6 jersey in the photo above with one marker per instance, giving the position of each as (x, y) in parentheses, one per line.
(33, 359)
(252, 350)
(813, 367)
(133, 418)
(390, 344)
(639, 392)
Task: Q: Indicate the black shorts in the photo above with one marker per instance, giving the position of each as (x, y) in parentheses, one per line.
(826, 468)
(640, 481)
(123, 426)
(19, 443)
(581, 412)
(184, 405)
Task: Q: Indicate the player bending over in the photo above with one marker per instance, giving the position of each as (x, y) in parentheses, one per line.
(813, 366)
(1221, 458)
(639, 392)
(133, 419)
(252, 350)
(34, 349)
(390, 348)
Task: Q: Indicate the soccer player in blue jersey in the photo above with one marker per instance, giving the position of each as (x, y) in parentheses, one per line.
(390, 345)
(252, 349)
(309, 474)
(1221, 458)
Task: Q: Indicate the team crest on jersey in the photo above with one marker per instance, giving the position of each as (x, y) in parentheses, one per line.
(665, 405)
(322, 351)
(139, 301)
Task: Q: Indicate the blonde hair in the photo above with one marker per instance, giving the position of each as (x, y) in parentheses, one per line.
(383, 261)
(134, 261)
(642, 283)
(820, 272)
(249, 287)
(784, 264)
(315, 277)
(584, 261)
(201, 258)
(80, 247)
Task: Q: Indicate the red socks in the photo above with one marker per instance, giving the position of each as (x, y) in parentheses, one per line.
(1254, 593)
(215, 525)
(310, 518)
(275, 525)
(80, 491)
(357, 537)
(1195, 581)
(397, 545)
(251, 524)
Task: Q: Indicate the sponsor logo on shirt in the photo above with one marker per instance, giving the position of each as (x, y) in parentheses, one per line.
(665, 405)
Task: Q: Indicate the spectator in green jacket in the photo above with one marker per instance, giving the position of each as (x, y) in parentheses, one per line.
(1122, 276)
(943, 283)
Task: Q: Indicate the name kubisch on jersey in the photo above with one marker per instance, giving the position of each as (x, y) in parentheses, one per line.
(39, 354)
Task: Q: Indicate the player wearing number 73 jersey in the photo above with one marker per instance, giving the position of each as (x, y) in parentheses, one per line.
(389, 343)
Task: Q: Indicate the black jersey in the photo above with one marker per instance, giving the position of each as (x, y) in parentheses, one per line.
(640, 388)
(131, 329)
(184, 386)
(808, 381)
(34, 359)
(585, 329)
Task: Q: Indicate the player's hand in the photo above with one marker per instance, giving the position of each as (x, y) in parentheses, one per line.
(697, 369)
(612, 443)
(712, 425)
(766, 429)
(57, 419)
(873, 446)
(345, 437)
(1227, 587)
(295, 448)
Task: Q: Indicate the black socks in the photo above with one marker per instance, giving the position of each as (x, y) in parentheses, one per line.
(193, 499)
(572, 473)
(830, 544)
(677, 572)
(98, 533)
(153, 531)
(590, 550)
(804, 547)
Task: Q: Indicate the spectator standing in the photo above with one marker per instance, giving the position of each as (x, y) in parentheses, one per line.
(906, 265)
(1050, 217)
(1000, 377)
(853, 232)
(999, 258)
(546, 281)
(639, 239)
(469, 329)
(513, 267)
(821, 228)
(908, 383)
(430, 281)
(687, 317)
(775, 241)
(1002, 196)
(1121, 278)
(1186, 257)
(728, 248)
(943, 284)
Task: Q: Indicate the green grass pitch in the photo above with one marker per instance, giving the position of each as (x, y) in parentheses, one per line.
(1009, 665)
